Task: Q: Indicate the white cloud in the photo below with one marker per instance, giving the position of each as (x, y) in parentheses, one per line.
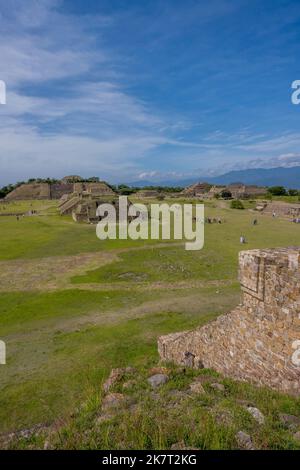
(69, 111)
(81, 125)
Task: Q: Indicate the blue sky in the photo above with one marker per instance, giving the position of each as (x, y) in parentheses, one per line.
(147, 89)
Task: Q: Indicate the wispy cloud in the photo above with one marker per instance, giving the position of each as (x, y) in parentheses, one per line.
(138, 90)
(84, 124)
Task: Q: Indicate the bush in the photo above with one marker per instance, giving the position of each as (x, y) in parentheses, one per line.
(277, 190)
(293, 192)
(236, 204)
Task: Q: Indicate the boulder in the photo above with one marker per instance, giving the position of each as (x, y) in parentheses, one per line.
(218, 386)
(256, 414)
(290, 421)
(157, 380)
(115, 376)
(113, 400)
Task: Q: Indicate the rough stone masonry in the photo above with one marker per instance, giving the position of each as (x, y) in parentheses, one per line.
(258, 341)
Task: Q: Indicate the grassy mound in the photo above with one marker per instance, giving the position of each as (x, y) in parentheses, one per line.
(192, 410)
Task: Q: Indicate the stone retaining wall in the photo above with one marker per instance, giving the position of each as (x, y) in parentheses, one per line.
(259, 341)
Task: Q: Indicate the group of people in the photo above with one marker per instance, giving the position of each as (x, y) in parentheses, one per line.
(214, 220)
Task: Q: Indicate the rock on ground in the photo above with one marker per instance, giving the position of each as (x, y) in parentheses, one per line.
(197, 387)
(157, 380)
(115, 376)
(218, 386)
(256, 414)
(244, 441)
(223, 417)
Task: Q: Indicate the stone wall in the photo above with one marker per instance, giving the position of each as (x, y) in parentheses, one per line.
(57, 190)
(94, 188)
(29, 191)
(282, 209)
(259, 340)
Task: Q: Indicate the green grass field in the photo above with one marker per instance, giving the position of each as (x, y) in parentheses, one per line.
(72, 307)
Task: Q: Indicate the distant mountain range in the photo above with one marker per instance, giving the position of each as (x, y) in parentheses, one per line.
(288, 177)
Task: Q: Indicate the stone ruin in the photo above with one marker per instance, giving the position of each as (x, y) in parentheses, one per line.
(27, 191)
(237, 190)
(83, 204)
(196, 190)
(86, 209)
(40, 191)
(279, 208)
(258, 341)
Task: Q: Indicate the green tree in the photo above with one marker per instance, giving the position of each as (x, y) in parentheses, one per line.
(236, 204)
(293, 192)
(277, 190)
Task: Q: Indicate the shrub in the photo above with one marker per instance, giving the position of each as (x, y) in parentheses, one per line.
(277, 190)
(236, 204)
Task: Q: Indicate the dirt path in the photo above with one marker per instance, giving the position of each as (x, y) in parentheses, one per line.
(176, 303)
(55, 272)
(193, 302)
(146, 286)
(49, 273)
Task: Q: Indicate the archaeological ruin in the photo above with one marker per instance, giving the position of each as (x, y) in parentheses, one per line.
(243, 191)
(279, 209)
(237, 190)
(40, 191)
(196, 190)
(82, 204)
(258, 341)
(86, 209)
